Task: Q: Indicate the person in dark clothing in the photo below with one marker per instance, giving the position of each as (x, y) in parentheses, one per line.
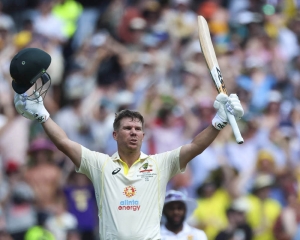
(238, 228)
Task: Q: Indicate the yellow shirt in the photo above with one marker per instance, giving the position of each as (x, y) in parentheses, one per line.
(211, 212)
(262, 216)
(68, 11)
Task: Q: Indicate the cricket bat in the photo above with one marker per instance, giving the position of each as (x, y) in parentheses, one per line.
(213, 66)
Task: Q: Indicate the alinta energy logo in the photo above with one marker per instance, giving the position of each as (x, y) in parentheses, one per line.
(131, 205)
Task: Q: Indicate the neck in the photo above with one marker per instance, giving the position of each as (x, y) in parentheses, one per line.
(174, 228)
(129, 157)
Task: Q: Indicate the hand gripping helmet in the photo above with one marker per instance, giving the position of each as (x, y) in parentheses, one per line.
(26, 68)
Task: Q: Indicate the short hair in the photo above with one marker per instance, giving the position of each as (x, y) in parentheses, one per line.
(126, 113)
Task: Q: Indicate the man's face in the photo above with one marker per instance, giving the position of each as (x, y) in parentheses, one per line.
(175, 213)
(130, 134)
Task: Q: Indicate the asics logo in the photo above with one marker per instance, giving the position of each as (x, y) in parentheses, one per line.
(116, 171)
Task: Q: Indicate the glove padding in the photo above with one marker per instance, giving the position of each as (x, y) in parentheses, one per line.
(233, 106)
(31, 109)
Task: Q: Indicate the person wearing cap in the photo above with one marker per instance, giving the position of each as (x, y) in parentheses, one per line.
(177, 208)
(129, 184)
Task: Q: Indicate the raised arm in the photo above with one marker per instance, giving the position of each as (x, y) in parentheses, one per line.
(207, 136)
(35, 110)
(198, 145)
(62, 142)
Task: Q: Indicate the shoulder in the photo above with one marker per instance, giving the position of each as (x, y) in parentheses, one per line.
(92, 160)
(87, 153)
(164, 232)
(164, 155)
(195, 232)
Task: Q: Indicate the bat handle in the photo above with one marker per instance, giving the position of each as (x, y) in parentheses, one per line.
(236, 131)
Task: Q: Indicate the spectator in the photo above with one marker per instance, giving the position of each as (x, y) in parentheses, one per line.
(265, 162)
(287, 222)
(39, 231)
(54, 30)
(60, 221)
(81, 202)
(263, 211)
(20, 209)
(285, 184)
(68, 11)
(213, 200)
(13, 125)
(258, 81)
(237, 228)
(177, 209)
(272, 115)
(42, 174)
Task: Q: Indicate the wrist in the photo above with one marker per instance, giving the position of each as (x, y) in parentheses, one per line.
(218, 123)
(42, 117)
(46, 118)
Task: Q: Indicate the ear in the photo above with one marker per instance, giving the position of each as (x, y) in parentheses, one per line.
(114, 135)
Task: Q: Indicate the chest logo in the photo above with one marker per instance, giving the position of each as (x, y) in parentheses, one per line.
(129, 191)
(116, 171)
(145, 168)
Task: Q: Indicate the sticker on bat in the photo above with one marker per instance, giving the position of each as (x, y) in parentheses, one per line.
(219, 82)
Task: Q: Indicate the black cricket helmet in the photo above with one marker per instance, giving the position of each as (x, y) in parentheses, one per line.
(27, 67)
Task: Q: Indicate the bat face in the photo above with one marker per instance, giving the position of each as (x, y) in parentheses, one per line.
(209, 55)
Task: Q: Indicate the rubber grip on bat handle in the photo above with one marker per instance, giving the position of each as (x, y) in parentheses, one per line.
(236, 131)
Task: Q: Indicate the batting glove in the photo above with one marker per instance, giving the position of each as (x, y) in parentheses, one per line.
(230, 104)
(31, 109)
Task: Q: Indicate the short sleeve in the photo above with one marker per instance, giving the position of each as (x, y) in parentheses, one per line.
(169, 162)
(91, 162)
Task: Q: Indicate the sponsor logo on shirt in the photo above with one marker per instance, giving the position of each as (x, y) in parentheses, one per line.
(132, 205)
(129, 205)
(146, 168)
(129, 191)
(116, 171)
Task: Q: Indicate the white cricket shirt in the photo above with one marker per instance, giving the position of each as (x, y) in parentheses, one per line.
(187, 233)
(129, 205)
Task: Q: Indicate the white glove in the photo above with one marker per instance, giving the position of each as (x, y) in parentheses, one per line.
(233, 106)
(31, 109)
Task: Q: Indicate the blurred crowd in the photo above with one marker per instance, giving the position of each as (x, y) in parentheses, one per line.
(145, 55)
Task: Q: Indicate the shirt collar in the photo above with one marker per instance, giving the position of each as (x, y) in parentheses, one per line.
(116, 156)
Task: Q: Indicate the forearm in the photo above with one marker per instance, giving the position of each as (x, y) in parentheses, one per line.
(62, 142)
(203, 140)
(198, 145)
(55, 133)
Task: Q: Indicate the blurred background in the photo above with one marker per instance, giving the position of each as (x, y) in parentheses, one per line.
(145, 55)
